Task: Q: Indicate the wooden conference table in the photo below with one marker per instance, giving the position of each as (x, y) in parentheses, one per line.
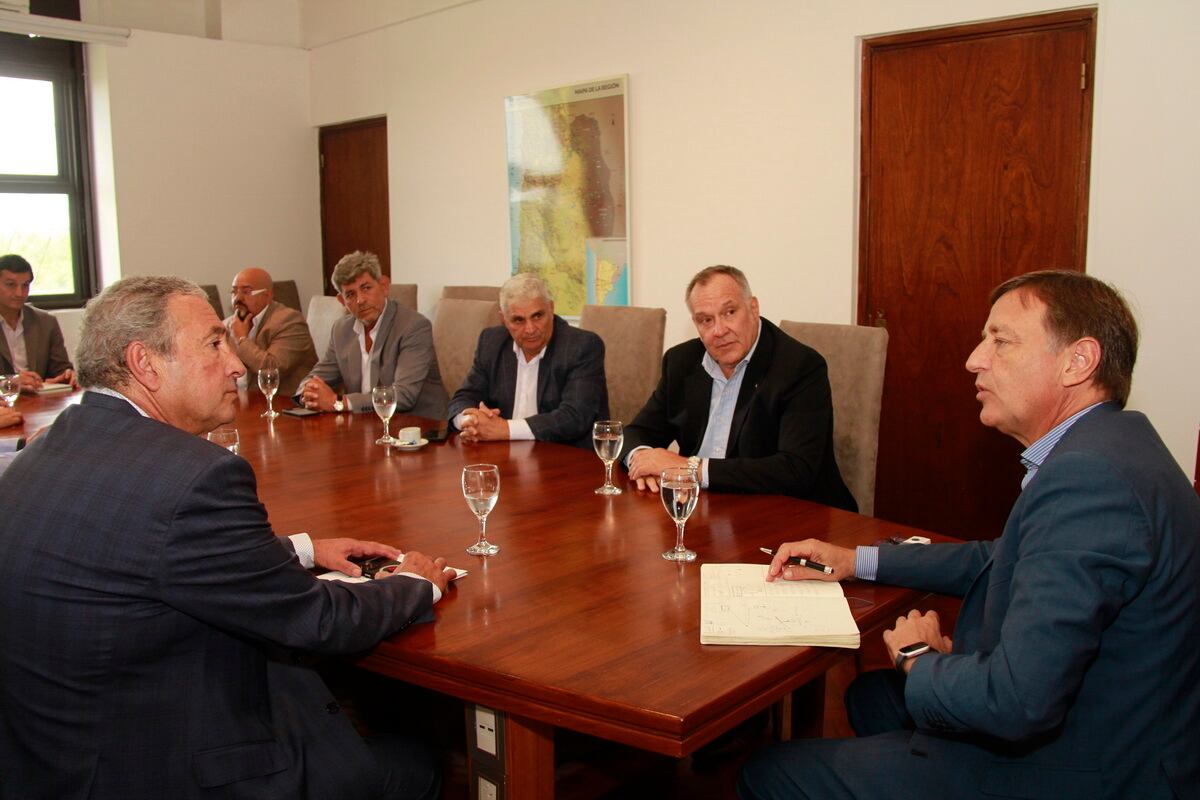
(578, 622)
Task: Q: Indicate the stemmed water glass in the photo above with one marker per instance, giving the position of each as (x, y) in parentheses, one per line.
(680, 489)
(607, 437)
(10, 388)
(268, 384)
(481, 488)
(384, 399)
(227, 438)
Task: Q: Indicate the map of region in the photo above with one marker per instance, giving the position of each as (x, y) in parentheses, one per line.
(567, 192)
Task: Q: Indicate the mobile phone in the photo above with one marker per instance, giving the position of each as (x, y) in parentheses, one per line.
(299, 411)
(436, 434)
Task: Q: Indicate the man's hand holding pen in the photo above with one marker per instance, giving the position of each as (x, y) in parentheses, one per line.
(818, 554)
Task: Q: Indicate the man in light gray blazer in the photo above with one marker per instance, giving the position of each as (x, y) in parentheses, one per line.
(32, 344)
(535, 376)
(382, 343)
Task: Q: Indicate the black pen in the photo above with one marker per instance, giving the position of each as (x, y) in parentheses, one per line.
(796, 561)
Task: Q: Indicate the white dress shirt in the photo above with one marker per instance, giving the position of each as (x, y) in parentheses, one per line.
(524, 398)
(244, 380)
(368, 381)
(16, 342)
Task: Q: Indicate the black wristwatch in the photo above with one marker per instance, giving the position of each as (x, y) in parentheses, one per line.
(910, 651)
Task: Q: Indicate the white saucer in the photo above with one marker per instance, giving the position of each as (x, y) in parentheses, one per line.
(410, 447)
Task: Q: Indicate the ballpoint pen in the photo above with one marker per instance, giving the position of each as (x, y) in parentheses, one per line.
(796, 561)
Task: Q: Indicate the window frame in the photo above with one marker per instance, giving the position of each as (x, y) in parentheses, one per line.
(63, 64)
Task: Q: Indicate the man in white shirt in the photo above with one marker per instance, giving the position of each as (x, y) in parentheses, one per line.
(533, 377)
(32, 345)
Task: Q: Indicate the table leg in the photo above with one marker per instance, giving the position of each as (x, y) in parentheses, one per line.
(508, 757)
(800, 714)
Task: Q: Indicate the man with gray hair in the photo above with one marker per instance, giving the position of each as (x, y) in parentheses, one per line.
(381, 343)
(749, 406)
(534, 376)
(148, 605)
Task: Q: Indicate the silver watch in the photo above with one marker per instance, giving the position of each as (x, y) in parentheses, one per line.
(694, 465)
(338, 405)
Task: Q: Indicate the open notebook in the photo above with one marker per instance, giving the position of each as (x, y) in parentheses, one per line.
(738, 606)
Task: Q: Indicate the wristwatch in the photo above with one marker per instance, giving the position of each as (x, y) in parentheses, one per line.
(338, 405)
(910, 651)
(694, 465)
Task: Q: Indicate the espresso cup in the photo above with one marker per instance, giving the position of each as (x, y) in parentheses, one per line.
(409, 436)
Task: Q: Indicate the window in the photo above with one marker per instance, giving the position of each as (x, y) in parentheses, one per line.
(45, 199)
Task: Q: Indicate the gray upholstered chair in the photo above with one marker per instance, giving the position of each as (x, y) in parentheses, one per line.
(214, 299)
(456, 330)
(856, 356)
(471, 292)
(287, 293)
(322, 313)
(633, 348)
(405, 294)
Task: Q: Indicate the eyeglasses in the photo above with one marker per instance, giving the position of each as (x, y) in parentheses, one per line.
(236, 290)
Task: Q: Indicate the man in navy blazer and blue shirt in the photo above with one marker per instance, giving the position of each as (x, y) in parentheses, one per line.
(1074, 671)
(149, 610)
(535, 376)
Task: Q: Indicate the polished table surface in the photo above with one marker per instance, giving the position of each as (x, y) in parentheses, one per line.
(577, 622)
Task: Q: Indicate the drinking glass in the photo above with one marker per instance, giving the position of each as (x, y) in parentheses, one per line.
(680, 489)
(268, 383)
(607, 437)
(227, 438)
(481, 488)
(384, 400)
(10, 388)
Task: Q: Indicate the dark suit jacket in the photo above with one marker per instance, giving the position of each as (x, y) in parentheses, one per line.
(147, 611)
(1076, 664)
(572, 392)
(44, 348)
(284, 337)
(406, 358)
(781, 438)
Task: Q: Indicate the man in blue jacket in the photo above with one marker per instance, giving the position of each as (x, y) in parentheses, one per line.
(1074, 666)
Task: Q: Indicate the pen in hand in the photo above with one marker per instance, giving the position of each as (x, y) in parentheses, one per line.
(796, 561)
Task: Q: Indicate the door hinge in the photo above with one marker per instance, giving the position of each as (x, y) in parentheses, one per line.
(322, 159)
(1083, 76)
(880, 320)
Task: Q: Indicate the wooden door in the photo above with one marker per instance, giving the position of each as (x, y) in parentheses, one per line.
(354, 193)
(975, 145)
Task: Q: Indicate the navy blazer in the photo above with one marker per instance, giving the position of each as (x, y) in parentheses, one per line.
(1076, 663)
(572, 392)
(147, 609)
(781, 437)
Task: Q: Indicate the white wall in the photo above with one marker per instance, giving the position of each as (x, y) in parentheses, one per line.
(214, 159)
(743, 147)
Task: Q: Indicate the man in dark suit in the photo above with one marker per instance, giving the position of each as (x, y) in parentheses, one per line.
(266, 332)
(382, 343)
(32, 345)
(535, 376)
(749, 406)
(149, 610)
(1074, 668)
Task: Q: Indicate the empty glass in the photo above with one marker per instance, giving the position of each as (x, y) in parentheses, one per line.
(227, 438)
(607, 437)
(680, 489)
(481, 488)
(384, 400)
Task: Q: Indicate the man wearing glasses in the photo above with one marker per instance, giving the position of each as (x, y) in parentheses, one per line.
(265, 331)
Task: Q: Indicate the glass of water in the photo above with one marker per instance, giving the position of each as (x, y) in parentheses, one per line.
(10, 388)
(268, 383)
(384, 400)
(227, 438)
(680, 489)
(607, 437)
(481, 488)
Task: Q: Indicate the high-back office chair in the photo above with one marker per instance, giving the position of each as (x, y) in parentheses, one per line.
(214, 299)
(456, 330)
(633, 346)
(69, 320)
(856, 356)
(287, 293)
(322, 313)
(471, 293)
(405, 294)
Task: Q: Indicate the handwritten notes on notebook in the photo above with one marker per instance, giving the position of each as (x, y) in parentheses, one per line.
(738, 606)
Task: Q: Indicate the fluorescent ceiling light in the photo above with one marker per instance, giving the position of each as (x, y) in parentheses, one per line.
(69, 29)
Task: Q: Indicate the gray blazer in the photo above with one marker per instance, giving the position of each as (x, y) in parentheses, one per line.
(571, 393)
(1075, 666)
(44, 348)
(403, 355)
(149, 615)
